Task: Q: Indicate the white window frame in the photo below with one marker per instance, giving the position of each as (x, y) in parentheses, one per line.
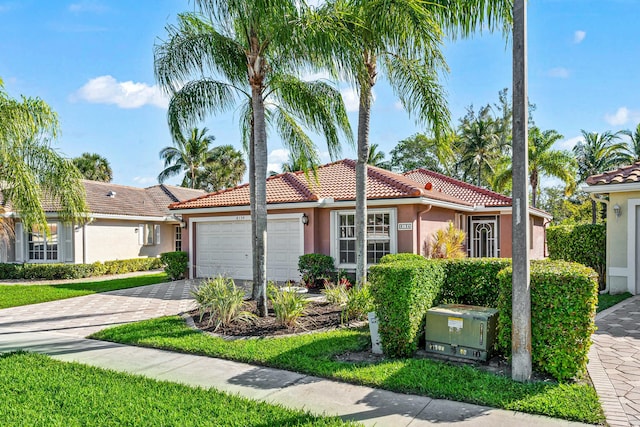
(177, 238)
(335, 235)
(59, 243)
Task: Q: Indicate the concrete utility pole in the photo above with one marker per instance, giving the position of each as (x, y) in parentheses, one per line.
(521, 296)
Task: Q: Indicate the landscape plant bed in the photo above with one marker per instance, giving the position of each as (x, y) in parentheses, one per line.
(319, 315)
(332, 355)
(40, 391)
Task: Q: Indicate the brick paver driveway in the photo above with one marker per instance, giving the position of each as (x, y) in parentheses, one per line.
(82, 316)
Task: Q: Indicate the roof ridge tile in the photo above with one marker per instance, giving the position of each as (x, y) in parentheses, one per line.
(461, 183)
(300, 186)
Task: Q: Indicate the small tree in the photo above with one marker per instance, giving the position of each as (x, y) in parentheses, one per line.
(447, 243)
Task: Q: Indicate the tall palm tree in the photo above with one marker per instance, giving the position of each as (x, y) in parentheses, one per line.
(94, 167)
(407, 47)
(634, 142)
(247, 50)
(188, 155)
(376, 157)
(543, 161)
(597, 153)
(225, 169)
(480, 144)
(30, 168)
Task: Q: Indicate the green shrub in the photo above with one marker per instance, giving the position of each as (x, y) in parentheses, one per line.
(402, 293)
(404, 256)
(563, 303)
(57, 271)
(584, 243)
(314, 268)
(288, 305)
(222, 300)
(175, 264)
(359, 303)
(472, 281)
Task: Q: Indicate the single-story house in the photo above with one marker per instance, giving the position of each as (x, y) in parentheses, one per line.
(124, 222)
(315, 214)
(619, 190)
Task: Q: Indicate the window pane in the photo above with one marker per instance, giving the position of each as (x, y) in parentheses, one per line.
(347, 251)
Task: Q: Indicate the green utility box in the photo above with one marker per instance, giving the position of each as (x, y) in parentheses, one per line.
(466, 331)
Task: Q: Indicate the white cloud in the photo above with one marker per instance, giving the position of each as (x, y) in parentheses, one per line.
(568, 144)
(559, 72)
(398, 106)
(351, 99)
(622, 116)
(87, 6)
(107, 90)
(145, 180)
(276, 158)
(578, 36)
(309, 77)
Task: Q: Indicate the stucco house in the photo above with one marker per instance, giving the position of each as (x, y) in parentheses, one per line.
(619, 190)
(315, 214)
(124, 222)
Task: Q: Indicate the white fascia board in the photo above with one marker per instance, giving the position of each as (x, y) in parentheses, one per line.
(611, 188)
(135, 217)
(507, 210)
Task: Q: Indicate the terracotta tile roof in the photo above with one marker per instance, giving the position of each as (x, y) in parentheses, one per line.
(472, 194)
(624, 175)
(334, 180)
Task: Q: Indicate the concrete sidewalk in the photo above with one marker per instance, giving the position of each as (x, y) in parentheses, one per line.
(58, 328)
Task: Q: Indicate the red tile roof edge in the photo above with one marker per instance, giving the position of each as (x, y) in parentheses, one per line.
(463, 184)
(604, 178)
(295, 182)
(204, 196)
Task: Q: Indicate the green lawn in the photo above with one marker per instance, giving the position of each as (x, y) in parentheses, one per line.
(314, 354)
(16, 295)
(39, 391)
(606, 300)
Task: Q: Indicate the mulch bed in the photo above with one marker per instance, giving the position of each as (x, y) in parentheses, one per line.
(319, 315)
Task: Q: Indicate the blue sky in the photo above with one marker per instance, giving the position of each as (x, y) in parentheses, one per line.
(92, 61)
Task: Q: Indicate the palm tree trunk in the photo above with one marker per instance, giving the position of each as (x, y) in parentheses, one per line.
(364, 117)
(255, 291)
(260, 156)
(594, 212)
(534, 188)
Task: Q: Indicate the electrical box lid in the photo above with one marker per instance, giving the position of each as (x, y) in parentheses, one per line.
(461, 310)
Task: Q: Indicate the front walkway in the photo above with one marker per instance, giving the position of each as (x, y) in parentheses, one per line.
(614, 362)
(58, 328)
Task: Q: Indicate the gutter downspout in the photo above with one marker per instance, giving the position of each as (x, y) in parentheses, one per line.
(596, 198)
(418, 228)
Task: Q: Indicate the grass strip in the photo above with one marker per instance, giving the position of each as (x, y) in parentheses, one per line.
(314, 354)
(607, 300)
(17, 295)
(39, 391)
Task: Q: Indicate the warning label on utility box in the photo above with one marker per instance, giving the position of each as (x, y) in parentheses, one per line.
(455, 322)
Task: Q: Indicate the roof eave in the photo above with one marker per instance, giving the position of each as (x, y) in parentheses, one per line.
(611, 188)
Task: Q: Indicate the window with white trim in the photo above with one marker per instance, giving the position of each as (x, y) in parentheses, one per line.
(483, 237)
(380, 236)
(178, 238)
(42, 247)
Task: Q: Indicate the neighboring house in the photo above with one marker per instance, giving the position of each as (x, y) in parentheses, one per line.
(317, 215)
(620, 191)
(124, 222)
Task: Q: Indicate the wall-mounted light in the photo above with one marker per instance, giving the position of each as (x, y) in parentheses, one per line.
(617, 210)
(305, 219)
(183, 224)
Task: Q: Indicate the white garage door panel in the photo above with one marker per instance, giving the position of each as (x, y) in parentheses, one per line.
(224, 247)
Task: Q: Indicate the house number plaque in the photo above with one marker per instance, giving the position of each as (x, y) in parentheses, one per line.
(405, 226)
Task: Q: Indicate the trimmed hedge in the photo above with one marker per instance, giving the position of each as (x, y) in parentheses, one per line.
(472, 281)
(585, 244)
(563, 305)
(402, 292)
(76, 271)
(404, 256)
(175, 264)
(314, 268)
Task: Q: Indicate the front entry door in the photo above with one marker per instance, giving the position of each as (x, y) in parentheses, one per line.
(483, 237)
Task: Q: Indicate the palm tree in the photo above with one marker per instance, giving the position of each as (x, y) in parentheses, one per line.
(376, 157)
(94, 167)
(188, 155)
(599, 153)
(543, 161)
(365, 45)
(225, 169)
(634, 143)
(480, 144)
(251, 47)
(30, 168)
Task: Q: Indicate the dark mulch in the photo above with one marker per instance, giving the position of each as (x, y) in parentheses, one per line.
(319, 315)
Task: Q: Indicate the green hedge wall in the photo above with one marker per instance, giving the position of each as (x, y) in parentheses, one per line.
(472, 281)
(585, 244)
(563, 305)
(76, 271)
(402, 292)
(404, 256)
(175, 264)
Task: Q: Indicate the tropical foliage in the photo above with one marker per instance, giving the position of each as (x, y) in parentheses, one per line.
(189, 154)
(30, 167)
(94, 167)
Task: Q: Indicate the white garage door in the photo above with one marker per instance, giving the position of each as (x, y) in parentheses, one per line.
(224, 247)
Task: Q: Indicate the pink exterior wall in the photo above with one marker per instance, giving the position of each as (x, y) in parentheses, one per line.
(432, 221)
(537, 237)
